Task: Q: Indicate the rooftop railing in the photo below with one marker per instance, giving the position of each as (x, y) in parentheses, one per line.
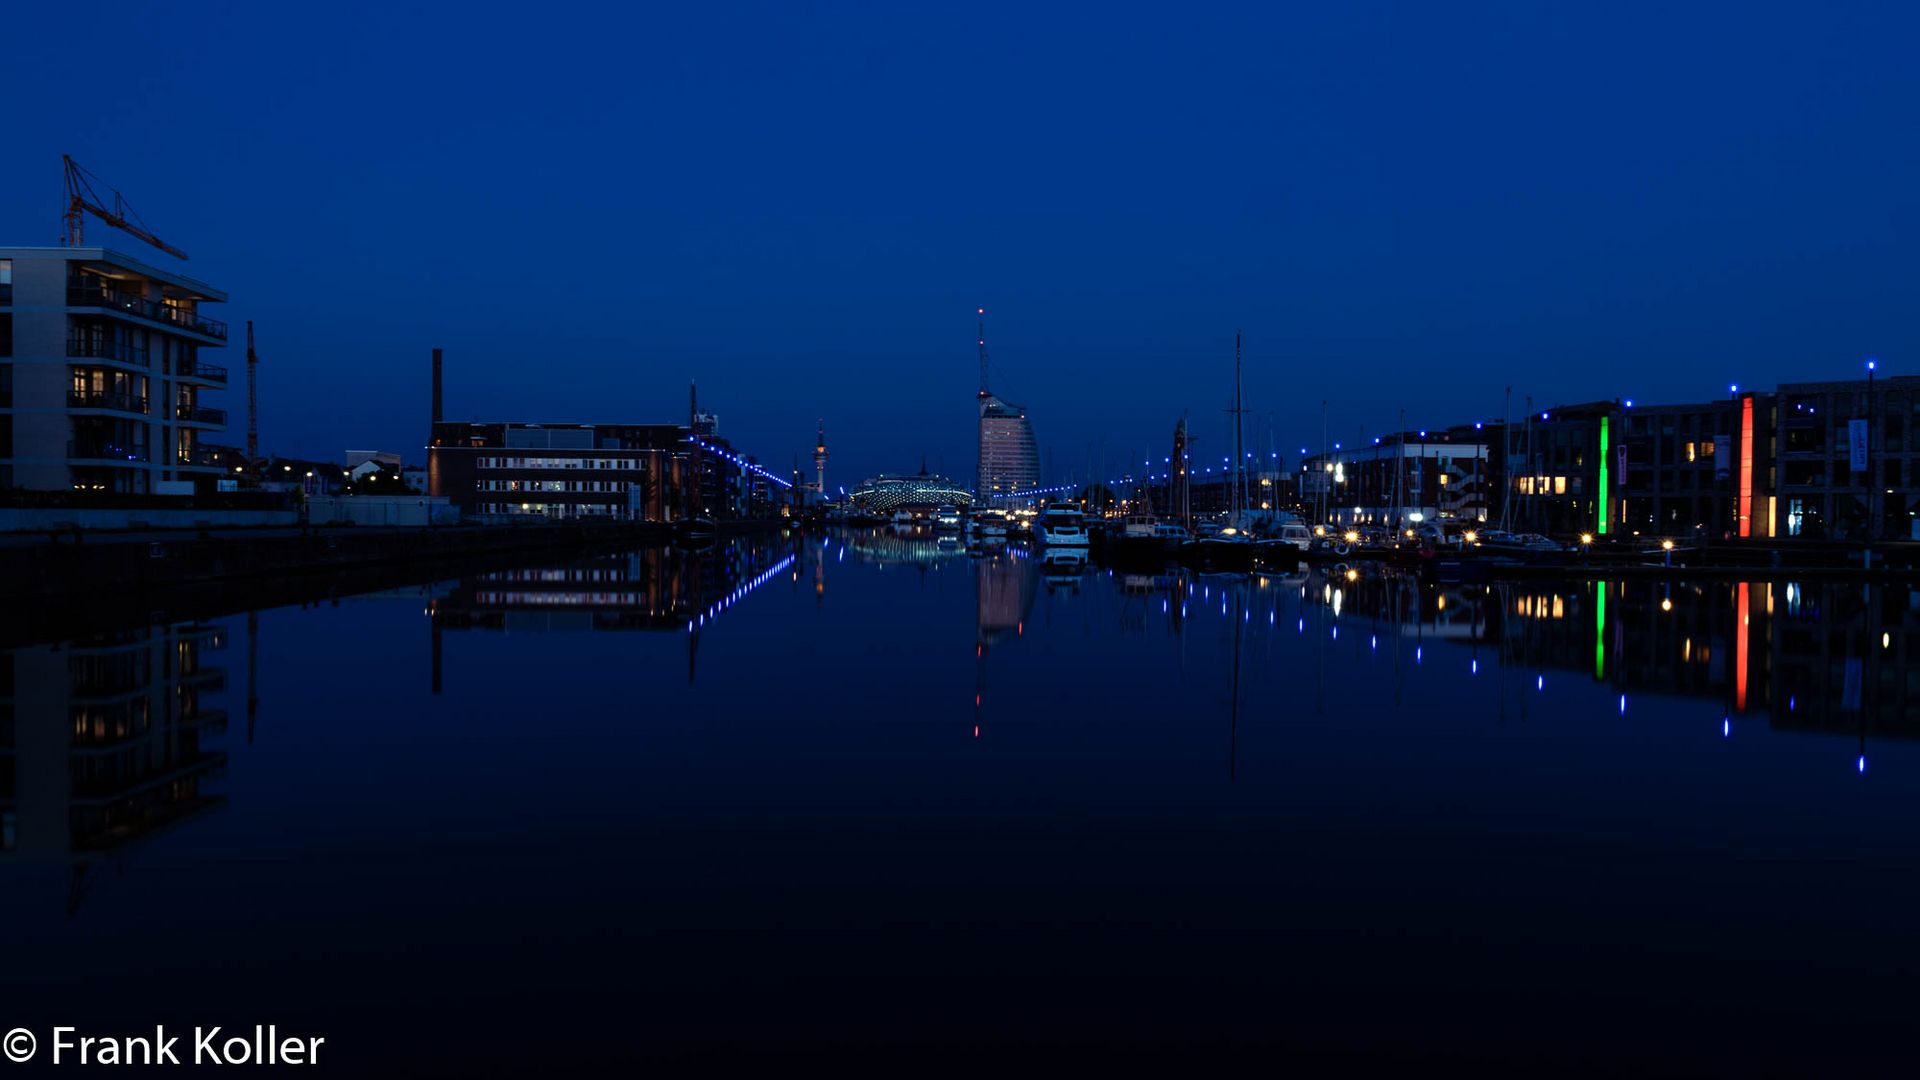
(104, 296)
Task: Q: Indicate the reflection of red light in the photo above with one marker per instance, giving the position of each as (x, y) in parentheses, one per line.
(1740, 647)
(976, 731)
(976, 701)
(1019, 629)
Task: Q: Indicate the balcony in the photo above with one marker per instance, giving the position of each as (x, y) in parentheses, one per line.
(101, 296)
(100, 349)
(127, 403)
(198, 455)
(104, 450)
(212, 373)
(198, 415)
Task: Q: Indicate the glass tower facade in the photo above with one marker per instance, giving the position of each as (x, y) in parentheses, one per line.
(1009, 457)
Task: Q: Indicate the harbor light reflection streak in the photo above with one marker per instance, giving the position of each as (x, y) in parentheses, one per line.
(738, 594)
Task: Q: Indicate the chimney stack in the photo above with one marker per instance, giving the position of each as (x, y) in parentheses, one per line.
(436, 387)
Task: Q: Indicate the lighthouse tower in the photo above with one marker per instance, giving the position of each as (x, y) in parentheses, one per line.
(820, 462)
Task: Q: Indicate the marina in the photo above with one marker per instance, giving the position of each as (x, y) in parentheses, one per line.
(961, 812)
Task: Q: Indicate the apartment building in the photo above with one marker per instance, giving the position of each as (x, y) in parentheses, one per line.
(102, 381)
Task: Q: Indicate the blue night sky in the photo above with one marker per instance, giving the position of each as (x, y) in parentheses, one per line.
(1404, 206)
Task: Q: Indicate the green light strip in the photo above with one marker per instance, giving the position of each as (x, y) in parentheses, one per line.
(1600, 631)
(1602, 529)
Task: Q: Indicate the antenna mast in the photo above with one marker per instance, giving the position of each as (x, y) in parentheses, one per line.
(983, 352)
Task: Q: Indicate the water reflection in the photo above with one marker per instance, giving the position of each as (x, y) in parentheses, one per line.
(113, 738)
(107, 741)
(1146, 757)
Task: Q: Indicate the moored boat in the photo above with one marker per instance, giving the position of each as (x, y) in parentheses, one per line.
(1062, 525)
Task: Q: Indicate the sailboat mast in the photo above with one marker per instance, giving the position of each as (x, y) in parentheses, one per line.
(1399, 474)
(1239, 455)
(1506, 463)
(1325, 480)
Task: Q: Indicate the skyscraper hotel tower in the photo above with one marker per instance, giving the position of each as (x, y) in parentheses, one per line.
(1009, 457)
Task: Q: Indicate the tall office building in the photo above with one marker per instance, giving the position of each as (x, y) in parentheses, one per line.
(100, 374)
(1009, 457)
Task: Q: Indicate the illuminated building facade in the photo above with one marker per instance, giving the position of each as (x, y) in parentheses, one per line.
(1562, 463)
(918, 493)
(101, 380)
(1823, 487)
(1436, 474)
(636, 472)
(1009, 456)
(1676, 470)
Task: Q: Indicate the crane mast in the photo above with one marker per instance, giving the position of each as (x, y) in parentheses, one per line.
(83, 200)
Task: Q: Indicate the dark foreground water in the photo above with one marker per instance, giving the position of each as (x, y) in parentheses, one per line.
(863, 793)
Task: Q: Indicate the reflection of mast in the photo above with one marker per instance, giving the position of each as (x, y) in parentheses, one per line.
(253, 670)
(695, 569)
(694, 501)
(436, 653)
(1233, 714)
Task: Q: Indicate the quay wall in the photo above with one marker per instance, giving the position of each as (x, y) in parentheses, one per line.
(67, 519)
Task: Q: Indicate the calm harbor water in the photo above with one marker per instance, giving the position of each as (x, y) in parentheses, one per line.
(867, 790)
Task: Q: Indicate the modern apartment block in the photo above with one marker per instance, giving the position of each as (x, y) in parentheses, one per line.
(1848, 459)
(624, 471)
(101, 379)
(1413, 475)
(1678, 471)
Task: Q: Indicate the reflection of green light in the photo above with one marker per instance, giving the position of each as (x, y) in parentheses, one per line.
(1602, 524)
(1600, 630)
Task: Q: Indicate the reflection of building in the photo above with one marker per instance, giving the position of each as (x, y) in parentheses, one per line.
(922, 492)
(106, 740)
(659, 588)
(901, 546)
(100, 374)
(1827, 657)
(1003, 592)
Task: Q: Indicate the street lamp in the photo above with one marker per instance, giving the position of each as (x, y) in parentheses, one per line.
(1873, 418)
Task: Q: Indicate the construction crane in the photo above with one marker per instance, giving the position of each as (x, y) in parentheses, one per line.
(82, 200)
(253, 407)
